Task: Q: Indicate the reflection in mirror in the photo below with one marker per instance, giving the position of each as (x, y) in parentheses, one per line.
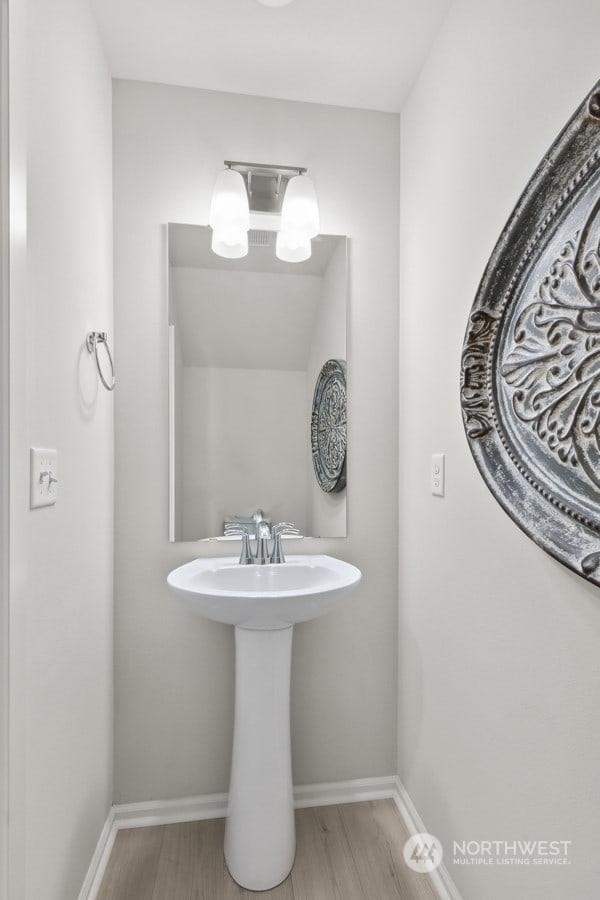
(247, 340)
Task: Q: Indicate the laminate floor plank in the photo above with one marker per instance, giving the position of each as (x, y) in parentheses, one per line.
(183, 863)
(420, 887)
(377, 843)
(218, 883)
(346, 852)
(324, 868)
(192, 866)
(131, 870)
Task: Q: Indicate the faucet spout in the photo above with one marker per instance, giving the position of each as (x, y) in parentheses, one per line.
(263, 535)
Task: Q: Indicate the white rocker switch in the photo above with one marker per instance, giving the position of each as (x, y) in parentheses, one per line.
(43, 478)
(438, 479)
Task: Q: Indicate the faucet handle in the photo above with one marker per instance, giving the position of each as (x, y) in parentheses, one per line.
(277, 556)
(242, 531)
(285, 528)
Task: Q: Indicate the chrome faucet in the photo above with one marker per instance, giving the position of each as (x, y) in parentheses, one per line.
(277, 555)
(263, 535)
(242, 530)
(262, 556)
(257, 518)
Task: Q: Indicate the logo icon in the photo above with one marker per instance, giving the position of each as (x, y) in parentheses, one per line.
(423, 853)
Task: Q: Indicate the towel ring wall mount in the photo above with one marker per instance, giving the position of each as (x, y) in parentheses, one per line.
(92, 340)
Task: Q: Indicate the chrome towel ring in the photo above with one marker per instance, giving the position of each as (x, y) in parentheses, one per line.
(93, 338)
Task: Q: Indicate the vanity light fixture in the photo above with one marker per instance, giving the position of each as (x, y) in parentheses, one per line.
(229, 215)
(267, 198)
(299, 220)
(292, 248)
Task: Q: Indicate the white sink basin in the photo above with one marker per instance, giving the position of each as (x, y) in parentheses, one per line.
(263, 597)
(264, 603)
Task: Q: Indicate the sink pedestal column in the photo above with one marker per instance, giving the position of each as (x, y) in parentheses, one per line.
(260, 837)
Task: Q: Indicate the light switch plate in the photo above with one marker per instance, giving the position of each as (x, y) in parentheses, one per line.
(437, 474)
(43, 477)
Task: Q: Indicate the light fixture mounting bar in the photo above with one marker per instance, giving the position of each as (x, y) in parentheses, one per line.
(263, 168)
(265, 183)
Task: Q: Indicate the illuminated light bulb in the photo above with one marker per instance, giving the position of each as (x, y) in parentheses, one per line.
(229, 210)
(230, 243)
(292, 247)
(300, 211)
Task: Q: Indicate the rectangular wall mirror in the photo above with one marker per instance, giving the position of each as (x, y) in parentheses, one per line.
(247, 341)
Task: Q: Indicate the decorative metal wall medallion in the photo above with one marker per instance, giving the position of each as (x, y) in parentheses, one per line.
(530, 379)
(328, 426)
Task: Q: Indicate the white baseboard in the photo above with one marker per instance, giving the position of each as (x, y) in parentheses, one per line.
(332, 792)
(95, 873)
(440, 877)
(168, 812)
(214, 806)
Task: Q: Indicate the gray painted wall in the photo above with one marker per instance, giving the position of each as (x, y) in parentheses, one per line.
(499, 669)
(61, 710)
(174, 673)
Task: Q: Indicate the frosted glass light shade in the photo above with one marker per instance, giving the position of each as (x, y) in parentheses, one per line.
(292, 248)
(300, 211)
(229, 210)
(229, 243)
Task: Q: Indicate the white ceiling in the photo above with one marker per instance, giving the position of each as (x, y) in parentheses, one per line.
(360, 53)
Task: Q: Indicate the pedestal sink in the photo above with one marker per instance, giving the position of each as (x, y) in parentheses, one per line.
(263, 603)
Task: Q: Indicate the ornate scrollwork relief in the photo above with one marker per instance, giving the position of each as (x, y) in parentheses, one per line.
(530, 375)
(551, 362)
(473, 382)
(328, 426)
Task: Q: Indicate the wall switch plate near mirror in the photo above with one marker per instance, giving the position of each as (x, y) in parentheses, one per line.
(247, 340)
